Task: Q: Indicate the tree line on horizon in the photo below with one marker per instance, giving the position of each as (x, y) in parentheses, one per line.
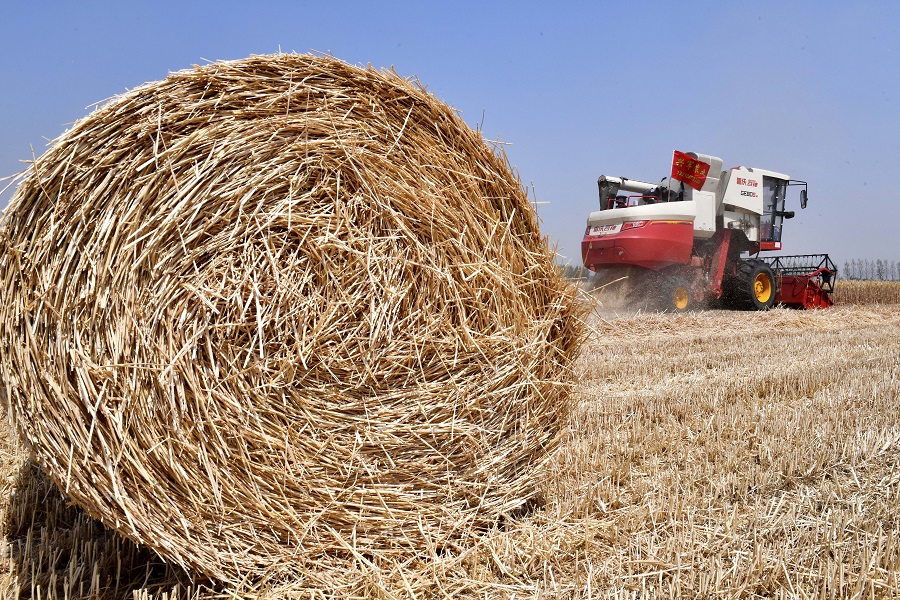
(867, 268)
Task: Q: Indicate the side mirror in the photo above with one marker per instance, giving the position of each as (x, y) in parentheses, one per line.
(802, 198)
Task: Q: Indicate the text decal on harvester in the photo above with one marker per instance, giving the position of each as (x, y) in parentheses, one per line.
(605, 229)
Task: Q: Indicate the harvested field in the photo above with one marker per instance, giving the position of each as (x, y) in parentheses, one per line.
(715, 454)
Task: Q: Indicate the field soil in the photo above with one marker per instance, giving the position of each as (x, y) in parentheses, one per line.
(711, 454)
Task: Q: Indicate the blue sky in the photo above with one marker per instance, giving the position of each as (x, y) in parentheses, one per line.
(577, 89)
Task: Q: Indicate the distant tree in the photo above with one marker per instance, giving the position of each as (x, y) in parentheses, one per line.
(879, 269)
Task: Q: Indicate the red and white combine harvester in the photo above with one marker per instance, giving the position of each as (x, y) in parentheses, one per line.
(695, 239)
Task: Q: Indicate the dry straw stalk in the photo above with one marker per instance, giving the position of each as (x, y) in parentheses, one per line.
(273, 316)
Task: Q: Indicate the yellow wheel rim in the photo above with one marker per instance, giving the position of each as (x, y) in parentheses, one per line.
(681, 298)
(762, 287)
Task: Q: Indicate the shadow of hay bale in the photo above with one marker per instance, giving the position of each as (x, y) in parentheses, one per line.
(58, 551)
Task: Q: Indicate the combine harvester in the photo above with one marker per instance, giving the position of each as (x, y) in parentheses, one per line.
(695, 240)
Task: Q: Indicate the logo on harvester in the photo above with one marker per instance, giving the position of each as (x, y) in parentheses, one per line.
(604, 229)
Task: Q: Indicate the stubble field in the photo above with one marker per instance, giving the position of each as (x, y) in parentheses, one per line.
(711, 454)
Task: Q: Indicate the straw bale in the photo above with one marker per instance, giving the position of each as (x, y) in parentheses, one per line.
(272, 315)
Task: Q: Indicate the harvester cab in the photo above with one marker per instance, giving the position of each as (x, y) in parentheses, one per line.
(695, 237)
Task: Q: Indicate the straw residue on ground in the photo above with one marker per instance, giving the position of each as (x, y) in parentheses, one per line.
(715, 454)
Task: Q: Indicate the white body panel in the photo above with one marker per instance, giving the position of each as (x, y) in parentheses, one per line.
(705, 198)
(735, 196)
(630, 185)
(705, 220)
(746, 222)
(743, 190)
(715, 169)
(664, 211)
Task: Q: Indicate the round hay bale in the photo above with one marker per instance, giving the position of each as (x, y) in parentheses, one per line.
(270, 314)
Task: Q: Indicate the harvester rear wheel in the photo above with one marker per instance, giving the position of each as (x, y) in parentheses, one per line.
(753, 286)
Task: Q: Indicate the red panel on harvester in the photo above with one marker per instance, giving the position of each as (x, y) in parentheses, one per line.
(802, 291)
(655, 245)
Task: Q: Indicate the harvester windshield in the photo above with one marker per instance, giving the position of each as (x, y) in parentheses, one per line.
(774, 191)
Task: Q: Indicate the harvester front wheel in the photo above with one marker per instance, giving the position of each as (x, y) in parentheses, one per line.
(753, 287)
(677, 296)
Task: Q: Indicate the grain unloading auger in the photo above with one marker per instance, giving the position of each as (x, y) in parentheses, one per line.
(695, 238)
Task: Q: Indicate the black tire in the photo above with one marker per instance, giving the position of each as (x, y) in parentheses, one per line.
(675, 295)
(753, 287)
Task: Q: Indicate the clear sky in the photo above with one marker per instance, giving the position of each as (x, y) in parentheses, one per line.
(577, 89)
